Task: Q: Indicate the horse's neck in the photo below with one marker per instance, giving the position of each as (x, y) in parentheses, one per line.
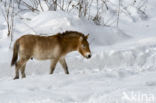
(71, 44)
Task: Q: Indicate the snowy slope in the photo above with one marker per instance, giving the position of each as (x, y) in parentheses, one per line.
(121, 70)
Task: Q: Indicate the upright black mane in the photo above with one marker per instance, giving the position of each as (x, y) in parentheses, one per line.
(72, 34)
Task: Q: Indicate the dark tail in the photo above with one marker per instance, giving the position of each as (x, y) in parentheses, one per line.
(15, 53)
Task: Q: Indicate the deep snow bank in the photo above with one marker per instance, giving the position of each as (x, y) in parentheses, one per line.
(51, 22)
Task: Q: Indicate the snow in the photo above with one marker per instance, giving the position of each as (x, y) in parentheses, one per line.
(121, 70)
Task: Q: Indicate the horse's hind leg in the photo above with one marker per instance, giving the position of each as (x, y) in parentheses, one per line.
(19, 65)
(23, 70)
(16, 73)
(64, 65)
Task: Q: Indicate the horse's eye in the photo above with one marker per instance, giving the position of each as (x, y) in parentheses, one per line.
(83, 46)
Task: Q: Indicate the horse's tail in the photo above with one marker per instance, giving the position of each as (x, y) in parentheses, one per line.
(15, 53)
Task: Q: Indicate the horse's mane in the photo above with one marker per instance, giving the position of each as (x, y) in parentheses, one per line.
(71, 34)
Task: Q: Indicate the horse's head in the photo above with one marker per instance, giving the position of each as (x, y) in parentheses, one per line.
(83, 47)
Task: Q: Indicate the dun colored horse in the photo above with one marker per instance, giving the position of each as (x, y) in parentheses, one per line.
(54, 47)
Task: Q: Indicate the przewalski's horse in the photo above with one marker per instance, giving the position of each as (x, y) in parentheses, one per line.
(53, 47)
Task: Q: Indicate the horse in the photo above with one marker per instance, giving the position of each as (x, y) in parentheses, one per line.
(54, 48)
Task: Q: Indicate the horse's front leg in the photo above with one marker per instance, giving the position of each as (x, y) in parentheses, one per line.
(53, 64)
(64, 65)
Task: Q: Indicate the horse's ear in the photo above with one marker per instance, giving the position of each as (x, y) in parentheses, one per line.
(87, 36)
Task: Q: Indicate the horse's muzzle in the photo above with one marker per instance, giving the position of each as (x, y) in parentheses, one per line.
(88, 56)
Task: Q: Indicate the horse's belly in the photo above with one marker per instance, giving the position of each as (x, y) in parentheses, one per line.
(43, 54)
(43, 57)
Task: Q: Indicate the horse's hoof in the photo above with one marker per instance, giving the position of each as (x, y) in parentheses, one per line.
(67, 73)
(23, 77)
(51, 73)
(16, 78)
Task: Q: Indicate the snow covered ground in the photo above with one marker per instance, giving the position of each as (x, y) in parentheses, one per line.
(121, 70)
